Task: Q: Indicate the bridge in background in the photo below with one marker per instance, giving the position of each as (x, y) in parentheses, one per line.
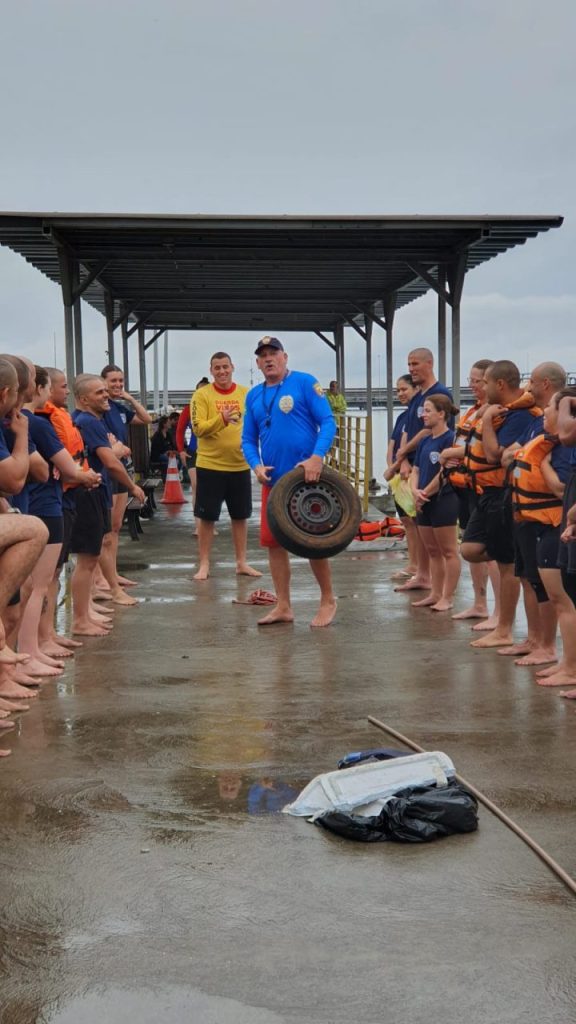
(356, 397)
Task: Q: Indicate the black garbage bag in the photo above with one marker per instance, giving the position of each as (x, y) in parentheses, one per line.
(417, 814)
(422, 813)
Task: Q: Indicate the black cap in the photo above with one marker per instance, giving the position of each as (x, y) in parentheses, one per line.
(269, 343)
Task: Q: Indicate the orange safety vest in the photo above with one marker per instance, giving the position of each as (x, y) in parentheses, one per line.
(388, 527)
(532, 499)
(67, 433)
(458, 476)
(481, 471)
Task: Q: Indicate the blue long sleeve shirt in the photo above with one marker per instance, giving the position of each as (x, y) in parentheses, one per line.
(286, 423)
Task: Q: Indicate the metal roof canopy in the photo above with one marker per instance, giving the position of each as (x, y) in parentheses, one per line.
(260, 273)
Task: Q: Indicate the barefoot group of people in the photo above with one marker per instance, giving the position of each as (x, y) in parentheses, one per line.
(64, 485)
(496, 489)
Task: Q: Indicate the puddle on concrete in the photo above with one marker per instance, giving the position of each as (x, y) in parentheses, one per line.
(172, 1005)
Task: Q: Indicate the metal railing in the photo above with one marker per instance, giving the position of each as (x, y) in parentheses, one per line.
(351, 453)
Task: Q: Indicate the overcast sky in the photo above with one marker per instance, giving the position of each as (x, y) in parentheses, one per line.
(312, 106)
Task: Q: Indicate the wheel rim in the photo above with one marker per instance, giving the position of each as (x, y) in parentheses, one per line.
(315, 508)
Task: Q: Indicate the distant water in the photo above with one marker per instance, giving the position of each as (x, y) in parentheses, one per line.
(380, 440)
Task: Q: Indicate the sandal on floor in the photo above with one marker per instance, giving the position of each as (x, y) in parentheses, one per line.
(257, 597)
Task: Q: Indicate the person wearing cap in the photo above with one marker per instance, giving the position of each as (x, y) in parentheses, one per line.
(222, 473)
(288, 422)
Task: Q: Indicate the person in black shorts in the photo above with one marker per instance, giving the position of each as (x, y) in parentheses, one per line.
(437, 504)
(405, 390)
(93, 507)
(489, 534)
(222, 473)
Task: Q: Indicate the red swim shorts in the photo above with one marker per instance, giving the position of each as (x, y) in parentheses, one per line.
(267, 538)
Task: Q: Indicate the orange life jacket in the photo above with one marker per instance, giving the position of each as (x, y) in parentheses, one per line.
(458, 476)
(481, 471)
(388, 527)
(532, 499)
(68, 434)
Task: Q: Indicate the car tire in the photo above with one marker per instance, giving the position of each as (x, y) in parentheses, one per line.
(314, 520)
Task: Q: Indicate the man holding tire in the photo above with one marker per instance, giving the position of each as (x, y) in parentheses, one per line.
(288, 422)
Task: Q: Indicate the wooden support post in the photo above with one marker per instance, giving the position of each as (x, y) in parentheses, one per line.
(368, 331)
(389, 310)
(65, 261)
(125, 352)
(109, 309)
(142, 364)
(442, 325)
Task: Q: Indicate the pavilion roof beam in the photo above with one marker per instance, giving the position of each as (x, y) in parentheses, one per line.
(155, 338)
(371, 316)
(323, 337)
(421, 271)
(93, 275)
(358, 329)
(139, 323)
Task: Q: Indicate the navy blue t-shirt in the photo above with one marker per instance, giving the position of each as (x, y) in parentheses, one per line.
(561, 462)
(532, 430)
(20, 500)
(397, 431)
(44, 499)
(117, 419)
(414, 414)
(518, 423)
(427, 456)
(95, 435)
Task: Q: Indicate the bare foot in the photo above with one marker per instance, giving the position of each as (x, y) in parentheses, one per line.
(35, 667)
(89, 629)
(246, 570)
(203, 573)
(494, 639)
(277, 615)
(22, 677)
(517, 649)
(7, 705)
(488, 624)
(124, 599)
(559, 678)
(443, 605)
(38, 657)
(4, 714)
(472, 613)
(326, 613)
(67, 641)
(568, 694)
(55, 651)
(10, 657)
(101, 595)
(426, 602)
(413, 584)
(7, 725)
(11, 690)
(537, 657)
(5, 753)
(553, 670)
(125, 582)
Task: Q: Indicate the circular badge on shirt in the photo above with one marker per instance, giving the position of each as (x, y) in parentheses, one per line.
(286, 403)
(420, 412)
(318, 389)
(434, 457)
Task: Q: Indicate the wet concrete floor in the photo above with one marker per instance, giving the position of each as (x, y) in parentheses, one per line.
(145, 875)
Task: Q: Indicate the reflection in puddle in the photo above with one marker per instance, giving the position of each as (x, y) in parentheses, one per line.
(170, 1005)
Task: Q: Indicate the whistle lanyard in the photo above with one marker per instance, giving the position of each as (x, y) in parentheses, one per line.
(269, 406)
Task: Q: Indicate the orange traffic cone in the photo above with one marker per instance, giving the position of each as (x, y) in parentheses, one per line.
(173, 493)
